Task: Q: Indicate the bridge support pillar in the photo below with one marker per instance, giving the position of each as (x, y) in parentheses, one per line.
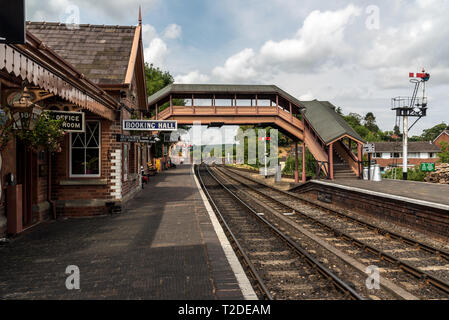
(303, 162)
(296, 163)
(331, 161)
(359, 158)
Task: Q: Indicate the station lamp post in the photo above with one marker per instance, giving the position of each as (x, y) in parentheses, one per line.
(24, 112)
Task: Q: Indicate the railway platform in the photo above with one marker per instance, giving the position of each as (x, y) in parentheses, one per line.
(163, 246)
(430, 194)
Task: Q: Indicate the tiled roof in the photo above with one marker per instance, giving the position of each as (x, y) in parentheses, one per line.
(326, 122)
(412, 147)
(219, 88)
(100, 52)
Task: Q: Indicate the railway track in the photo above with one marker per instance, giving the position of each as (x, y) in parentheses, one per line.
(418, 268)
(279, 267)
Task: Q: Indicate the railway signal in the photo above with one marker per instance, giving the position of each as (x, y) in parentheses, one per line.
(413, 106)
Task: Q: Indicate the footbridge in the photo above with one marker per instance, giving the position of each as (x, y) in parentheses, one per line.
(334, 144)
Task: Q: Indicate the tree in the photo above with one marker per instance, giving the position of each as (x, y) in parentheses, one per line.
(432, 133)
(353, 119)
(370, 122)
(156, 79)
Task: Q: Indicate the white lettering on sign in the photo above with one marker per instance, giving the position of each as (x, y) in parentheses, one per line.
(150, 125)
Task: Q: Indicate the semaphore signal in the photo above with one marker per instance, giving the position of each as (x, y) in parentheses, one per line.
(413, 106)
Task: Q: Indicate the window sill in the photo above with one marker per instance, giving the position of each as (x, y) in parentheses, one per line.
(84, 182)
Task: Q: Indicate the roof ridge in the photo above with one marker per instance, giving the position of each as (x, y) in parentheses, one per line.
(46, 23)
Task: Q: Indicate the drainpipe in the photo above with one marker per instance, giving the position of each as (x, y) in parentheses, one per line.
(52, 203)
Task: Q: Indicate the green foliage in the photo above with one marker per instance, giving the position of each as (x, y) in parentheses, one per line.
(370, 122)
(289, 168)
(414, 174)
(432, 133)
(47, 134)
(444, 154)
(156, 79)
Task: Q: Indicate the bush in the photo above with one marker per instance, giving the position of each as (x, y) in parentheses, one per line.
(414, 174)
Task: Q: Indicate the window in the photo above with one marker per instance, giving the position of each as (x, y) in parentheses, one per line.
(85, 151)
(378, 155)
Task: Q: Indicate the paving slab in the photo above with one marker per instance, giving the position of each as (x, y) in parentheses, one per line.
(413, 190)
(163, 246)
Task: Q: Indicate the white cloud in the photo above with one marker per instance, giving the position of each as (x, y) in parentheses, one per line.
(148, 33)
(320, 40)
(173, 31)
(121, 12)
(192, 77)
(318, 43)
(306, 97)
(237, 67)
(156, 52)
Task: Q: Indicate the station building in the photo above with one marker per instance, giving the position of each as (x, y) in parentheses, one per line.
(94, 69)
(389, 154)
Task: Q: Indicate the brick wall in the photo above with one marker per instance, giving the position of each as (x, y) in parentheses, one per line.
(415, 162)
(419, 217)
(444, 137)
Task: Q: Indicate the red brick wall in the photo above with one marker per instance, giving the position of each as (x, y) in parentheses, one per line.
(444, 137)
(416, 162)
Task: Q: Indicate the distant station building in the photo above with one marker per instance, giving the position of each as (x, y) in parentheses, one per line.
(97, 70)
(389, 154)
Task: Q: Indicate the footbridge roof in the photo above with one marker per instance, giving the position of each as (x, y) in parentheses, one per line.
(327, 123)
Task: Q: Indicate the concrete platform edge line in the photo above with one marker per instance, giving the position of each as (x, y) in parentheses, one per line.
(242, 279)
(385, 195)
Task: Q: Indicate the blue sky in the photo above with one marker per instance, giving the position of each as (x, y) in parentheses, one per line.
(356, 54)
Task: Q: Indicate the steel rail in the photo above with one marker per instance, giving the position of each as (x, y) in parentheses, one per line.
(406, 267)
(419, 245)
(260, 283)
(315, 264)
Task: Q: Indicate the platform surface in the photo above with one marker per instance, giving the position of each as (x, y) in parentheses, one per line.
(421, 191)
(162, 247)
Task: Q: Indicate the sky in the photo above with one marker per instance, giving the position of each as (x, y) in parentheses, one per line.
(355, 54)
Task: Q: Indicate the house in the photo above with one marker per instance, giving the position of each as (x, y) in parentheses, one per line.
(389, 154)
(443, 136)
(97, 70)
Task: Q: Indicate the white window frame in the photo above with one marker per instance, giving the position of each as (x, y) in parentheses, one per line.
(99, 154)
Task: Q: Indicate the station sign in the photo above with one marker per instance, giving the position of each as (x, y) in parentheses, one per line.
(368, 148)
(150, 125)
(141, 139)
(71, 121)
(427, 166)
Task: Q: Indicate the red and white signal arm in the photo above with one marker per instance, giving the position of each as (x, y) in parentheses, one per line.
(264, 138)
